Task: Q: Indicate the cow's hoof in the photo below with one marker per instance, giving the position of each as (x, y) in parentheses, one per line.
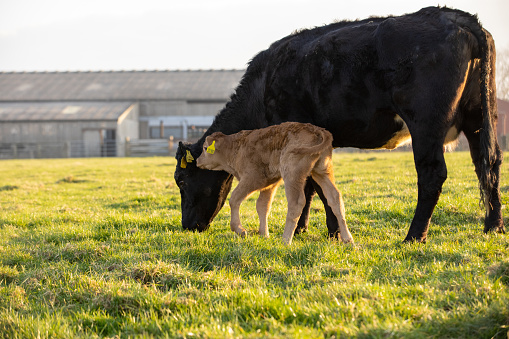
(300, 230)
(413, 239)
(334, 236)
(496, 229)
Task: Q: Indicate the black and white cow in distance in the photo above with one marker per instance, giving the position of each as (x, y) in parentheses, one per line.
(373, 84)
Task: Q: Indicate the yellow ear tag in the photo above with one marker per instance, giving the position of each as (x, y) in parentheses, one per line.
(211, 149)
(189, 157)
(183, 162)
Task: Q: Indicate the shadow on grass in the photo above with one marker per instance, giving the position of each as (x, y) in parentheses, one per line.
(492, 324)
(31, 222)
(500, 271)
(8, 188)
(143, 203)
(71, 179)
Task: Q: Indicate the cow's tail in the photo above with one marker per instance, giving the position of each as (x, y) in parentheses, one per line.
(489, 153)
(317, 148)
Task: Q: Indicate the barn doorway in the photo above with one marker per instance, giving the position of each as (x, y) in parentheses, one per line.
(99, 143)
(109, 146)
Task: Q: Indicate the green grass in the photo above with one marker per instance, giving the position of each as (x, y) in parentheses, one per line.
(94, 248)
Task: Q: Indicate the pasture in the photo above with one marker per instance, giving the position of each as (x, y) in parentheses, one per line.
(94, 248)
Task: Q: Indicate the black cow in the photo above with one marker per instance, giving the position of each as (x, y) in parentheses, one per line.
(372, 83)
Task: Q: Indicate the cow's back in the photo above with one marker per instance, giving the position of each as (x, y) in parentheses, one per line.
(344, 76)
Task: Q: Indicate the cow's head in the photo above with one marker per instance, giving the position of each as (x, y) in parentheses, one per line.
(211, 157)
(202, 192)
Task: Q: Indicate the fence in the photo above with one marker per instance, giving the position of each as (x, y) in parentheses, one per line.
(82, 149)
(132, 148)
(68, 149)
(149, 147)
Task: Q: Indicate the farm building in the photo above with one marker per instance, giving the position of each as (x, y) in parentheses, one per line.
(82, 114)
(76, 114)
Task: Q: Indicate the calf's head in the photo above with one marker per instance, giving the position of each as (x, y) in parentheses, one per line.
(212, 156)
(202, 192)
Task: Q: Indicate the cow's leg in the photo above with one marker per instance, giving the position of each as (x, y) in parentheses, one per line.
(493, 218)
(263, 205)
(326, 181)
(239, 194)
(431, 174)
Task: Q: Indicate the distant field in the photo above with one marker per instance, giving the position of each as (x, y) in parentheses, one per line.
(94, 248)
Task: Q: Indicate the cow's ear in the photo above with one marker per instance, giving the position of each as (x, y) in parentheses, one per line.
(180, 150)
(184, 154)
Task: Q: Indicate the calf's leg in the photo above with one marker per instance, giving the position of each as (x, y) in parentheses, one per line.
(332, 223)
(334, 200)
(296, 201)
(330, 218)
(309, 192)
(239, 194)
(263, 205)
(295, 180)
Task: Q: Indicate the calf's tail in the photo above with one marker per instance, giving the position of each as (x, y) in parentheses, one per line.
(326, 142)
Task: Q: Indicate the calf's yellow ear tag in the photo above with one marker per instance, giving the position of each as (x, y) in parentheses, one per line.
(211, 149)
(189, 157)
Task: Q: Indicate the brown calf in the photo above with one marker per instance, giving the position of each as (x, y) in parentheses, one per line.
(259, 159)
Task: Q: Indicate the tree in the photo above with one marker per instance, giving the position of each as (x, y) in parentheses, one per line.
(502, 73)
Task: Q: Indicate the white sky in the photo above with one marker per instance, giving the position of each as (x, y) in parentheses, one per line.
(61, 35)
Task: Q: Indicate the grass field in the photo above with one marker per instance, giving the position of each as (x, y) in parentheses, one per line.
(94, 248)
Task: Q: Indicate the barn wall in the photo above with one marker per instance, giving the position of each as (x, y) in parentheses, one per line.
(179, 108)
(127, 127)
(53, 139)
(48, 132)
(162, 108)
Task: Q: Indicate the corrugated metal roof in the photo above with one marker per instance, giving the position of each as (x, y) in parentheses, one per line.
(62, 111)
(121, 85)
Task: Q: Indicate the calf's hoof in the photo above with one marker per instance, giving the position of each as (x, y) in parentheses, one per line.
(348, 240)
(287, 242)
(240, 231)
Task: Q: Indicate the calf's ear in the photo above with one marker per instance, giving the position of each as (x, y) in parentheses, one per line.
(212, 148)
(217, 135)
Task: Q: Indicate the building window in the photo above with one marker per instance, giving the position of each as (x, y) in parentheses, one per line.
(175, 131)
(195, 132)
